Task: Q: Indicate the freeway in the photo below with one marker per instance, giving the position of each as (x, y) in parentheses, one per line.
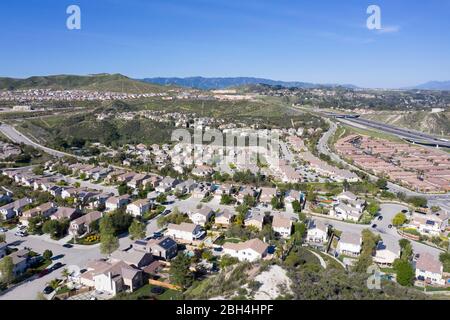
(11, 133)
(409, 135)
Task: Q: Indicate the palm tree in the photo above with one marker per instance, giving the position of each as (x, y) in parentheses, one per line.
(65, 273)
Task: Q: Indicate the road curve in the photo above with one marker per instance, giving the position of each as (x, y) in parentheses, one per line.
(15, 136)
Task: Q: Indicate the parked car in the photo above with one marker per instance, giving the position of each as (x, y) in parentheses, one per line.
(43, 273)
(56, 266)
(21, 234)
(166, 212)
(67, 245)
(380, 218)
(374, 226)
(3, 230)
(47, 290)
(390, 226)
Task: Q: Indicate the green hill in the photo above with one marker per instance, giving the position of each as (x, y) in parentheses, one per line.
(98, 82)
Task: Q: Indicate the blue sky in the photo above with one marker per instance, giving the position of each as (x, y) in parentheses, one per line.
(321, 41)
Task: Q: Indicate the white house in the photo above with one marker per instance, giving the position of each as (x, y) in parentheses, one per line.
(282, 226)
(430, 224)
(317, 232)
(345, 212)
(429, 269)
(115, 203)
(185, 231)
(250, 250)
(201, 216)
(349, 244)
(139, 207)
(113, 278)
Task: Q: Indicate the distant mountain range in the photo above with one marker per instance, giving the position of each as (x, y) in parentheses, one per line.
(434, 85)
(223, 83)
(97, 82)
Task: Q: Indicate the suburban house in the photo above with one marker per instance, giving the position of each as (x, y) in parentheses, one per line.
(137, 181)
(202, 190)
(202, 171)
(99, 200)
(255, 218)
(245, 191)
(317, 232)
(349, 244)
(386, 253)
(166, 184)
(185, 231)
(126, 177)
(186, 186)
(46, 210)
(223, 189)
(21, 261)
(165, 248)
(12, 209)
(429, 269)
(82, 225)
(116, 203)
(201, 216)
(132, 258)
(292, 195)
(267, 194)
(224, 218)
(64, 212)
(432, 223)
(250, 250)
(345, 212)
(282, 225)
(112, 278)
(139, 207)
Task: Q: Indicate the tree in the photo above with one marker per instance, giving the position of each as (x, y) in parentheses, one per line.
(38, 170)
(369, 245)
(276, 203)
(299, 232)
(399, 219)
(227, 260)
(123, 189)
(445, 259)
(47, 255)
(373, 208)
(2, 237)
(109, 243)
(249, 200)
(418, 201)
(179, 271)
(382, 183)
(226, 199)
(55, 228)
(435, 209)
(405, 272)
(297, 206)
(106, 225)
(137, 230)
(162, 198)
(7, 270)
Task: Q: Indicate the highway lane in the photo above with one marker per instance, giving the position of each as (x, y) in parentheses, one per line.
(11, 133)
(414, 136)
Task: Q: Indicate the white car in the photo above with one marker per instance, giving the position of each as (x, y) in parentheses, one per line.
(21, 234)
(3, 230)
